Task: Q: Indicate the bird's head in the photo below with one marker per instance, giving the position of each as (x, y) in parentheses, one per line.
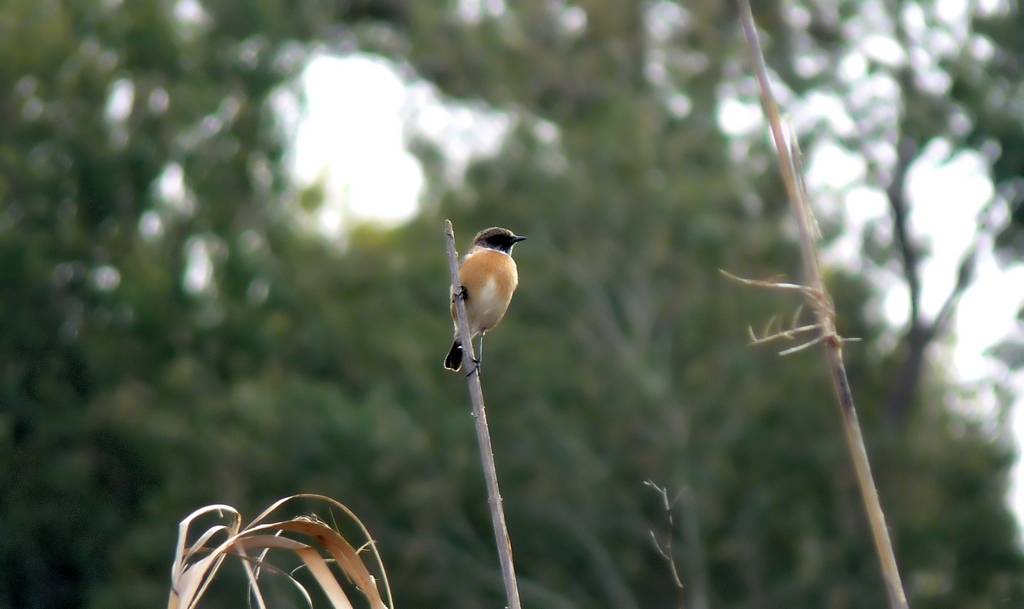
(496, 238)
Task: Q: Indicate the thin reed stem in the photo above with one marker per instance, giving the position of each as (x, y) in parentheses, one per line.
(821, 301)
(483, 434)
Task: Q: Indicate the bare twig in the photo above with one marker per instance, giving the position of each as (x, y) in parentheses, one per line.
(771, 334)
(771, 285)
(483, 435)
(630, 343)
(790, 334)
(824, 308)
(665, 550)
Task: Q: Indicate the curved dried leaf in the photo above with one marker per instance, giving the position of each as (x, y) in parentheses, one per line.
(192, 576)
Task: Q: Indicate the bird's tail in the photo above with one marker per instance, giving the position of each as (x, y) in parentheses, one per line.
(453, 361)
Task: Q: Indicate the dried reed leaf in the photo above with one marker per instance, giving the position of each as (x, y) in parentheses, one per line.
(325, 577)
(191, 575)
(189, 583)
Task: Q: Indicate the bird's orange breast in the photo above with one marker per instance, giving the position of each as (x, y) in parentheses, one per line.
(490, 278)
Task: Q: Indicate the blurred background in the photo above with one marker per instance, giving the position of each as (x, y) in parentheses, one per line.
(222, 279)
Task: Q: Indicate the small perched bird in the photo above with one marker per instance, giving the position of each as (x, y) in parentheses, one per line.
(489, 277)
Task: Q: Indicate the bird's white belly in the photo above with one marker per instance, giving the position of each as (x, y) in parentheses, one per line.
(490, 307)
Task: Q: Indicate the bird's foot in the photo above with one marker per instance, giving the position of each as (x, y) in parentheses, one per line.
(475, 368)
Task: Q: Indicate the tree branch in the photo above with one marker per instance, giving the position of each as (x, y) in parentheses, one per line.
(920, 332)
(964, 275)
(483, 434)
(894, 191)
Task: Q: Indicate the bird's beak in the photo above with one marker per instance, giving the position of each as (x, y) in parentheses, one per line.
(518, 238)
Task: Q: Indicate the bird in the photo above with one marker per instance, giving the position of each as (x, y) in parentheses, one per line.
(488, 278)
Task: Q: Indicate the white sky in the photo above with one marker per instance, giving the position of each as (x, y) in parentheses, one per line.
(352, 133)
(351, 136)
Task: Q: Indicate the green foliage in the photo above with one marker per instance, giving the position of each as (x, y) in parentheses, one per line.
(304, 368)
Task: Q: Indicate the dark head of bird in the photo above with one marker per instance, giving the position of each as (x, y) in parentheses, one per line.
(496, 238)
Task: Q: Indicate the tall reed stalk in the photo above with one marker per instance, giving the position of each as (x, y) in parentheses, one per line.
(821, 302)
